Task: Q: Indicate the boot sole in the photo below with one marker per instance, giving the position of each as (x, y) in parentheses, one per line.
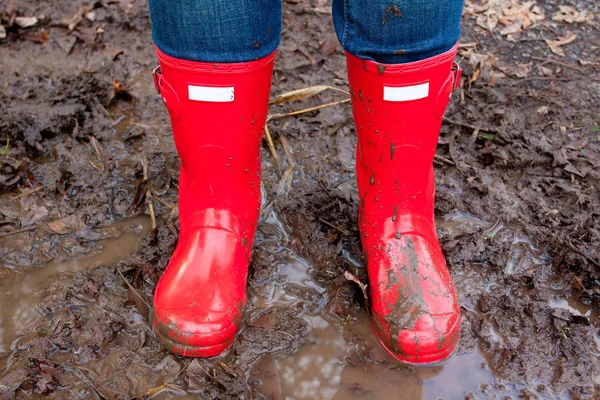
(184, 349)
(425, 363)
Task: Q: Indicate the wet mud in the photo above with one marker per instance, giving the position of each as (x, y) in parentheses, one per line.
(86, 147)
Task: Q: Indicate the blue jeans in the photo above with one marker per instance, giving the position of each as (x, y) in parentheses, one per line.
(386, 31)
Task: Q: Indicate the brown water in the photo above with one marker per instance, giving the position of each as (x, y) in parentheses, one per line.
(340, 359)
(18, 296)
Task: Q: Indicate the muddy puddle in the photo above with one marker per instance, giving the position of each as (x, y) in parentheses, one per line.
(339, 357)
(18, 296)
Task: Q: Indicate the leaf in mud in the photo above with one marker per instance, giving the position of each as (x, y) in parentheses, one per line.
(140, 302)
(571, 169)
(26, 22)
(67, 225)
(555, 45)
(120, 91)
(196, 374)
(570, 15)
(299, 94)
(168, 368)
(140, 194)
(12, 380)
(47, 378)
(34, 214)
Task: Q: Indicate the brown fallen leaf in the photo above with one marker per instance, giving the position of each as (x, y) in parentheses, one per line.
(520, 16)
(11, 380)
(555, 45)
(570, 15)
(120, 92)
(43, 36)
(142, 305)
(66, 225)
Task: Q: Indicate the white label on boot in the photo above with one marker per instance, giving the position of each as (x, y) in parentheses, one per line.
(211, 93)
(406, 93)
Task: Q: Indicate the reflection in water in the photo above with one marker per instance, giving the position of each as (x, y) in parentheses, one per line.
(342, 359)
(18, 312)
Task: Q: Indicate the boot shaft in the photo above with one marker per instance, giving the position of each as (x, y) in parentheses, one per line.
(218, 113)
(398, 112)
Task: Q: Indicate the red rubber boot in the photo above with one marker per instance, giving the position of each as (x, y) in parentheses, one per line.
(218, 114)
(398, 113)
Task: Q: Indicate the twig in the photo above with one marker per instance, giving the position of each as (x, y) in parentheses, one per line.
(272, 147)
(349, 276)
(576, 250)
(27, 193)
(95, 146)
(164, 203)
(464, 125)
(148, 194)
(334, 227)
(105, 111)
(17, 232)
(93, 164)
(474, 134)
(443, 159)
(545, 78)
(277, 116)
(549, 60)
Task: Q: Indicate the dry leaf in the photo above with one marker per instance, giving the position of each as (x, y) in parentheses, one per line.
(2, 32)
(543, 110)
(515, 27)
(26, 22)
(43, 35)
(560, 41)
(475, 75)
(488, 20)
(520, 70)
(299, 94)
(545, 70)
(570, 15)
(520, 17)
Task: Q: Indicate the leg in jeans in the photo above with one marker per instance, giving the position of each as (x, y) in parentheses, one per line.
(216, 60)
(397, 32)
(401, 74)
(226, 31)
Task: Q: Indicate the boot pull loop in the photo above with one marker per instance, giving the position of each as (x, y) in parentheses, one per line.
(157, 78)
(451, 83)
(456, 74)
(167, 93)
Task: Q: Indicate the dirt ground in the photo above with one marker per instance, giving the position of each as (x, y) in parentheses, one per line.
(86, 149)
